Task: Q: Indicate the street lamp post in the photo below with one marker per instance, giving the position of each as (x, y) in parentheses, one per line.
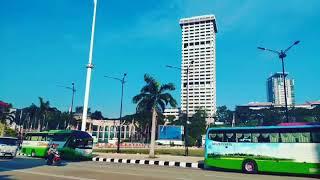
(72, 99)
(187, 108)
(73, 92)
(89, 69)
(120, 124)
(282, 54)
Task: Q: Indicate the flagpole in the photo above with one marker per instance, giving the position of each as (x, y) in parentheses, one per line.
(89, 69)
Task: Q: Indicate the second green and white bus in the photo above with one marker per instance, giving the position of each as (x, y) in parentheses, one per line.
(276, 149)
(37, 143)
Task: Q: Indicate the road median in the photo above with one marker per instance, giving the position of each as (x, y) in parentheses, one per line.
(143, 159)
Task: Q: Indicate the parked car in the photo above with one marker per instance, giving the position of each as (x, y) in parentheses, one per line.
(8, 147)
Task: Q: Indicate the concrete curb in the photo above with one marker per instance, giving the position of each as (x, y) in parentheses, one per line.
(151, 162)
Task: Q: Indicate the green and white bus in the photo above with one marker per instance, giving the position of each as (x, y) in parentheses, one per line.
(37, 143)
(275, 149)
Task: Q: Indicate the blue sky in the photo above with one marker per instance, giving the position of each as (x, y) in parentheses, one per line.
(46, 43)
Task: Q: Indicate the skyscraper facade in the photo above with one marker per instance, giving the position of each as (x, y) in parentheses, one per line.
(199, 55)
(275, 89)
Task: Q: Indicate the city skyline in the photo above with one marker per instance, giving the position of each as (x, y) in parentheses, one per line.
(47, 44)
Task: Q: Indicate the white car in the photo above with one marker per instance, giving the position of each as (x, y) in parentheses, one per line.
(8, 147)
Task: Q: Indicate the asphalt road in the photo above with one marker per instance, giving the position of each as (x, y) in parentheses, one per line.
(34, 169)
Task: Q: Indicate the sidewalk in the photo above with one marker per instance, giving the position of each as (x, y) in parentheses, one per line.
(160, 160)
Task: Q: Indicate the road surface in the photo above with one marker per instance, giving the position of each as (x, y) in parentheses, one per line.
(34, 169)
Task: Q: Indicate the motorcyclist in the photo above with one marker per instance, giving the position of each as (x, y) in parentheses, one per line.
(52, 151)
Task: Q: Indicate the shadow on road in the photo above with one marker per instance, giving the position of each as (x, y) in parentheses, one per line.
(20, 163)
(5, 177)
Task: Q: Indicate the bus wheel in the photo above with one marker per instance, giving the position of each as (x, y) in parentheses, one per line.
(33, 153)
(250, 167)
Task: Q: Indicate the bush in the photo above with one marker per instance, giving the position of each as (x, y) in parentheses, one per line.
(10, 132)
(6, 131)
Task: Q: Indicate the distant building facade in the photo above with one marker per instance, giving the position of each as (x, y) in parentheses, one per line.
(268, 105)
(275, 89)
(174, 112)
(107, 130)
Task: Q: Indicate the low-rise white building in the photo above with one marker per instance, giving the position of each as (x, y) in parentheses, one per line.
(107, 130)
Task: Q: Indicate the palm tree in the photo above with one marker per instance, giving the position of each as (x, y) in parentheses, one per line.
(154, 98)
(44, 109)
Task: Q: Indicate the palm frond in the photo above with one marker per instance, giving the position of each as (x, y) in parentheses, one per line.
(162, 105)
(139, 97)
(149, 79)
(168, 99)
(149, 88)
(167, 87)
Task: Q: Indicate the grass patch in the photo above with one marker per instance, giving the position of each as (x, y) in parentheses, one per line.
(174, 152)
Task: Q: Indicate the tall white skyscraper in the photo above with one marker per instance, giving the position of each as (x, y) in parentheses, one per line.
(275, 90)
(199, 54)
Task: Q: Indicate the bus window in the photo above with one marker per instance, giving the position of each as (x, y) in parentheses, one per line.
(216, 137)
(59, 137)
(83, 143)
(274, 137)
(244, 137)
(288, 137)
(229, 137)
(315, 137)
(304, 137)
(255, 137)
(35, 138)
(264, 138)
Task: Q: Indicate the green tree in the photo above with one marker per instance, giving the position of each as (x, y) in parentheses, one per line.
(224, 115)
(153, 98)
(97, 115)
(44, 108)
(197, 127)
(79, 110)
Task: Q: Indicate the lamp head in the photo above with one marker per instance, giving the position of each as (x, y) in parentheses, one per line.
(297, 42)
(261, 48)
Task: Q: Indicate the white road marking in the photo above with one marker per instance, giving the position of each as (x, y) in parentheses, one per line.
(45, 174)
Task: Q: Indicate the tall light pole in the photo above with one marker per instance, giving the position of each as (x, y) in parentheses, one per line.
(89, 69)
(72, 99)
(120, 124)
(72, 88)
(187, 118)
(282, 54)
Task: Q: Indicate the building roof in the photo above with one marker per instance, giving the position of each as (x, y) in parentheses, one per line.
(278, 74)
(193, 19)
(313, 102)
(3, 104)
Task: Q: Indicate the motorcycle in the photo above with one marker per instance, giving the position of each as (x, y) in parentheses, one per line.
(53, 158)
